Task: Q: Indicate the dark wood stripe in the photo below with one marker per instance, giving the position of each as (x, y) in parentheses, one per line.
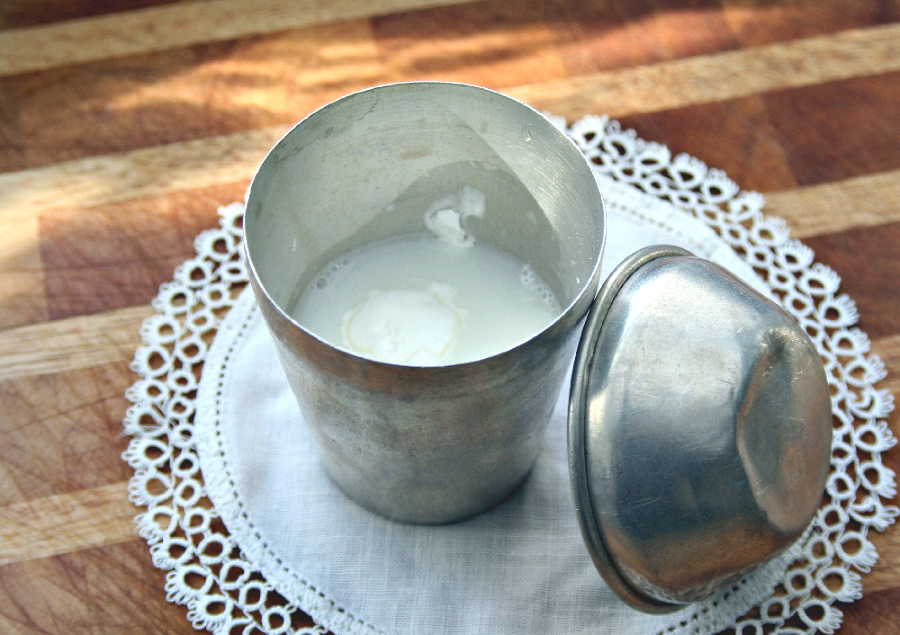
(148, 100)
(766, 21)
(116, 256)
(18, 14)
(868, 261)
(712, 131)
(839, 129)
(876, 612)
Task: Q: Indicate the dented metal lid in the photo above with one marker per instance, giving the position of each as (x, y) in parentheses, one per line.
(699, 429)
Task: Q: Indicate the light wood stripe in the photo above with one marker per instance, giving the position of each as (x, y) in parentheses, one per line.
(230, 158)
(65, 523)
(169, 26)
(864, 201)
(71, 344)
(721, 76)
(140, 173)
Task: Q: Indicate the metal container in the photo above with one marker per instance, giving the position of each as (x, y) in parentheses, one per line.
(699, 430)
(424, 444)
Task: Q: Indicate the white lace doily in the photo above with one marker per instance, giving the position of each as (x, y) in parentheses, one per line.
(222, 557)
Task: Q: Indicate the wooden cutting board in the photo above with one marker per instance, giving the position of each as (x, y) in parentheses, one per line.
(124, 125)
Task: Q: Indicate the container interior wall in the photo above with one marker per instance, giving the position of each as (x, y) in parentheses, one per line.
(367, 167)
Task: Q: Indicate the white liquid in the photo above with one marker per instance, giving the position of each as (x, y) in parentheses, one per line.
(421, 301)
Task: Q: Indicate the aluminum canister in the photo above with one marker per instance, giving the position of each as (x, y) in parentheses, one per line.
(424, 444)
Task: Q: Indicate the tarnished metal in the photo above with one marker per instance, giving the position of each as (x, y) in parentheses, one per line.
(433, 444)
(699, 429)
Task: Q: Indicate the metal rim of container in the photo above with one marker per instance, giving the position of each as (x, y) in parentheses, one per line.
(603, 558)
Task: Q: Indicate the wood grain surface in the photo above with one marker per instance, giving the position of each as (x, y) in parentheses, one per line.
(123, 125)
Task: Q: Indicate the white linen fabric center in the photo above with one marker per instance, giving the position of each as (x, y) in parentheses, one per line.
(251, 532)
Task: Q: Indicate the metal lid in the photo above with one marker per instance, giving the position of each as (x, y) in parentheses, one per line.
(699, 429)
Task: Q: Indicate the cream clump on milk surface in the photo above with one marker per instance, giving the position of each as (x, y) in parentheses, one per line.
(434, 298)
